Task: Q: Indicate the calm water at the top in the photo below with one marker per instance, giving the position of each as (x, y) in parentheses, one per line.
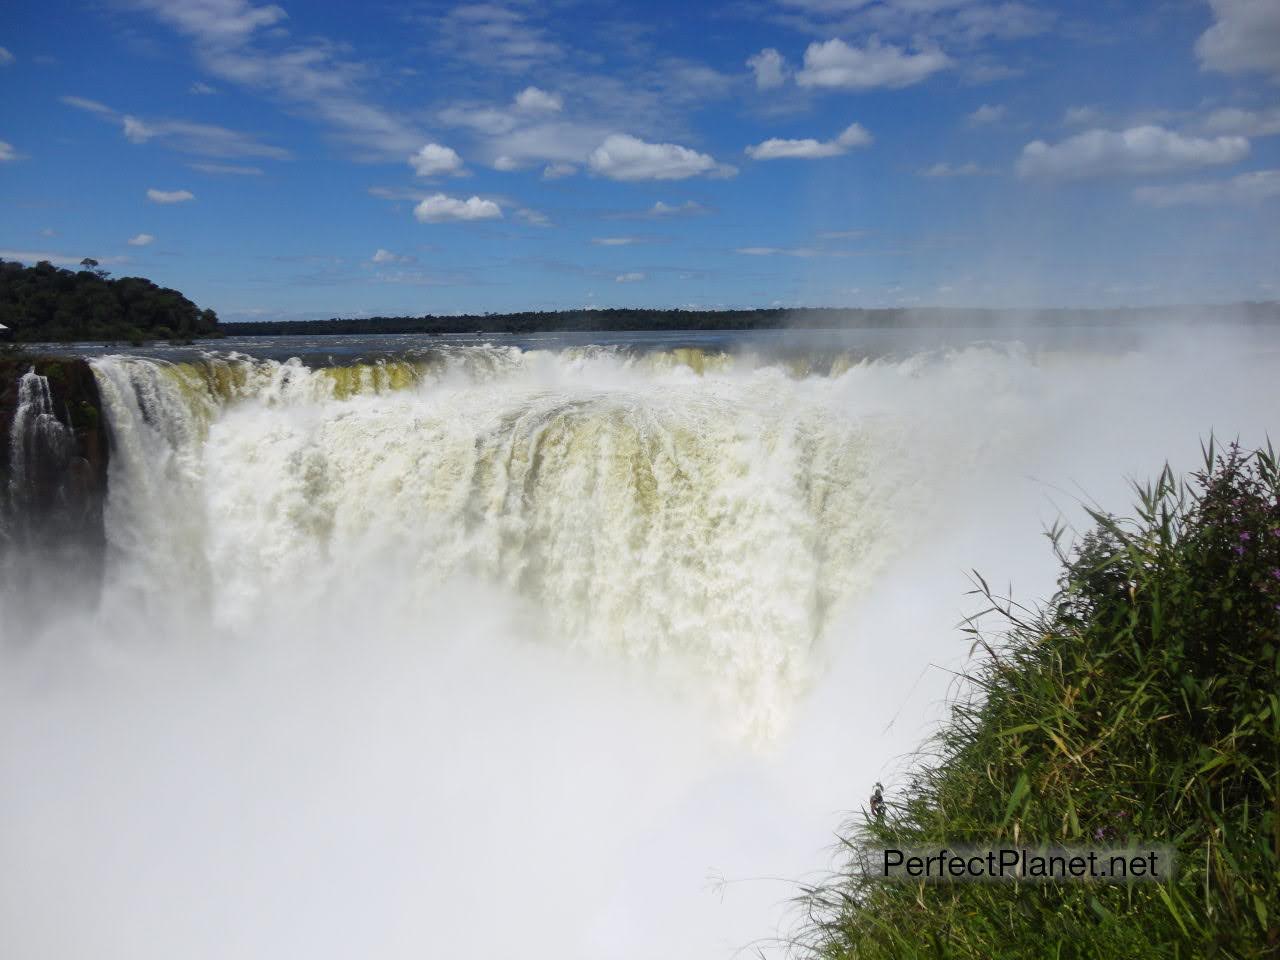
(342, 348)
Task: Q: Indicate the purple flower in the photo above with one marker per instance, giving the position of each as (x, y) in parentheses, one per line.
(1245, 536)
(1238, 551)
(1275, 573)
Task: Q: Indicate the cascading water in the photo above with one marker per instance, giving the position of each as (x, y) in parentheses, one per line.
(40, 450)
(499, 652)
(700, 522)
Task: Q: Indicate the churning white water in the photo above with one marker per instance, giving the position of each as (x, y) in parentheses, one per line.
(533, 653)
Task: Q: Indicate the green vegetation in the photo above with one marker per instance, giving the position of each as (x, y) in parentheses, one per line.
(45, 303)
(1141, 705)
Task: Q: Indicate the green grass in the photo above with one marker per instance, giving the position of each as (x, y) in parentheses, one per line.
(1140, 705)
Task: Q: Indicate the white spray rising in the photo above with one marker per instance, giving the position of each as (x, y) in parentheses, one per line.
(523, 652)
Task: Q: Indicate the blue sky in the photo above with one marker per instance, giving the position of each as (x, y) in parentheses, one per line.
(313, 160)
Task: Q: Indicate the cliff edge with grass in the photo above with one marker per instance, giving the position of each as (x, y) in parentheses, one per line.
(1140, 706)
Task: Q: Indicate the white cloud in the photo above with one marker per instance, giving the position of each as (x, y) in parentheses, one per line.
(770, 68)
(440, 208)
(661, 209)
(434, 159)
(386, 256)
(506, 164)
(556, 171)
(1245, 189)
(1244, 123)
(986, 114)
(201, 89)
(135, 131)
(495, 36)
(804, 252)
(1080, 116)
(490, 120)
(960, 170)
(835, 64)
(535, 218)
(201, 139)
(535, 100)
(1138, 150)
(7, 152)
(226, 169)
(1245, 37)
(809, 149)
(84, 103)
(615, 241)
(6, 57)
(141, 240)
(624, 157)
(232, 44)
(965, 22)
(633, 277)
(169, 196)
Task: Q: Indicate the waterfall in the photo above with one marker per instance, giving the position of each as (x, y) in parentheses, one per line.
(41, 447)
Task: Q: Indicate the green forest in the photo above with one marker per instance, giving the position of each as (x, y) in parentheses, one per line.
(47, 303)
(810, 318)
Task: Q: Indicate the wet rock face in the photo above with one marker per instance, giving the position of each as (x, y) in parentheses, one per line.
(53, 483)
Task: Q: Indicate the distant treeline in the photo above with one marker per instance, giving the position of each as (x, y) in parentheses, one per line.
(45, 302)
(808, 318)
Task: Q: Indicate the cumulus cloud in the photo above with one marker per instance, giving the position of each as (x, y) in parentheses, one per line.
(169, 196)
(1245, 37)
(633, 277)
(439, 208)
(433, 160)
(1244, 123)
(624, 157)
(1138, 150)
(201, 89)
(6, 57)
(837, 65)
(855, 135)
(769, 67)
(1245, 189)
(7, 152)
(557, 171)
(986, 114)
(535, 100)
(506, 164)
(141, 240)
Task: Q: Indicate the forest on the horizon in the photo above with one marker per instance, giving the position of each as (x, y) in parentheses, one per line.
(49, 303)
(815, 318)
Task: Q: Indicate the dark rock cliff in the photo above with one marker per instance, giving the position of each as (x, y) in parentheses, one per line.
(53, 483)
